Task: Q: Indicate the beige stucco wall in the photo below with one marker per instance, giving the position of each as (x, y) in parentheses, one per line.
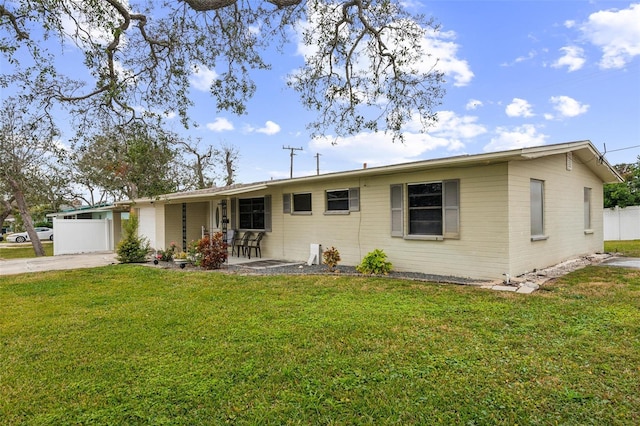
(563, 213)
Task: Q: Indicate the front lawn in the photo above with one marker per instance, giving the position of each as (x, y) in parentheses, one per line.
(136, 345)
(23, 250)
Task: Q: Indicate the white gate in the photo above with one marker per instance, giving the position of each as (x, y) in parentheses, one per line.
(73, 236)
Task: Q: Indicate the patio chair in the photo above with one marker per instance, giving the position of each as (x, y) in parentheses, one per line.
(255, 244)
(240, 244)
(231, 239)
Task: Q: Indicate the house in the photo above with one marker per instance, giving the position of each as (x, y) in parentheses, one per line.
(478, 216)
(88, 229)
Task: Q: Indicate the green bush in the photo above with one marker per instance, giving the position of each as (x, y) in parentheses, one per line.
(211, 253)
(132, 248)
(375, 262)
(331, 257)
(167, 254)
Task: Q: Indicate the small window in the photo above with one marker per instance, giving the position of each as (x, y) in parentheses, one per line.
(537, 209)
(302, 203)
(587, 208)
(343, 200)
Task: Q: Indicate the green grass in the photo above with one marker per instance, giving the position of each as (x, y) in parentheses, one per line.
(130, 344)
(24, 250)
(630, 248)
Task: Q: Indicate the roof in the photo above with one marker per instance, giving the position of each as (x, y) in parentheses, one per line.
(584, 150)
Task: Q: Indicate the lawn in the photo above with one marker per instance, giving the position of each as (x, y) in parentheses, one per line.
(136, 345)
(629, 248)
(23, 250)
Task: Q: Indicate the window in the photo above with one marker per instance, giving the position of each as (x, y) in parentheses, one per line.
(343, 200)
(537, 209)
(587, 208)
(296, 203)
(425, 208)
(433, 209)
(253, 213)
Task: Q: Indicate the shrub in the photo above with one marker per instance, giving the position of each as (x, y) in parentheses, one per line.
(375, 262)
(331, 257)
(211, 252)
(132, 248)
(167, 254)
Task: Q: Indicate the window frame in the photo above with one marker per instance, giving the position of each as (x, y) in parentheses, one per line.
(537, 209)
(449, 208)
(352, 199)
(588, 210)
(266, 214)
(294, 210)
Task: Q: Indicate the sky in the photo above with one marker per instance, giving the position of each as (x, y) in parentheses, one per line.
(518, 74)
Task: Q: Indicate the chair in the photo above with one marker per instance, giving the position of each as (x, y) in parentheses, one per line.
(231, 239)
(241, 243)
(255, 244)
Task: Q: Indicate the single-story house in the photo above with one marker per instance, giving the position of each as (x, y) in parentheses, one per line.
(479, 216)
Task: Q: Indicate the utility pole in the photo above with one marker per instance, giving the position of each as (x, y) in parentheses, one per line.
(292, 154)
(317, 163)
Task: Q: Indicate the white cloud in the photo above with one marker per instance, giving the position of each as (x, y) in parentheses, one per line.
(567, 107)
(573, 58)
(473, 104)
(376, 149)
(269, 128)
(202, 77)
(519, 108)
(617, 33)
(519, 137)
(439, 51)
(569, 23)
(442, 47)
(220, 125)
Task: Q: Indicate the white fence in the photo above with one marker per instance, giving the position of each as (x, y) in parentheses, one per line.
(622, 224)
(73, 236)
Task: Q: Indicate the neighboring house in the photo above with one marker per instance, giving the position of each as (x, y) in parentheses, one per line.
(478, 216)
(88, 229)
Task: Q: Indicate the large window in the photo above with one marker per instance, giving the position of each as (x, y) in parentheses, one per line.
(537, 209)
(343, 200)
(251, 213)
(587, 208)
(433, 209)
(425, 208)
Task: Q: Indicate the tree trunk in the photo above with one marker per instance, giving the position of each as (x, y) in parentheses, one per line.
(26, 217)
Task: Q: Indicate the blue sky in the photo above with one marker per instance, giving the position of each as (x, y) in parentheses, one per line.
(519, 74)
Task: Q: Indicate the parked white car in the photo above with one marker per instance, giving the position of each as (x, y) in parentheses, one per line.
(43, 232)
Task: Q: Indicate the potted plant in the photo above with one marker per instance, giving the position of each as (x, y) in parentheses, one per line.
(180, 258)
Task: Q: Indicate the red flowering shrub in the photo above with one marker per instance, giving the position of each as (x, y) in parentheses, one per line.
(212, 252)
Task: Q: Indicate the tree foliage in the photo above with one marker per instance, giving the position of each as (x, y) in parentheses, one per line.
(364, 66)
(27, 153)
(128, 162)
(626, 193)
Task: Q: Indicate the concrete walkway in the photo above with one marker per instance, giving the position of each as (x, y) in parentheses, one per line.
(84, 260)
(51, 263)
(623, 262)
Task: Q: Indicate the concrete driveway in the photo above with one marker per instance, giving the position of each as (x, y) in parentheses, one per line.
(624, 262)
(50, 263)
